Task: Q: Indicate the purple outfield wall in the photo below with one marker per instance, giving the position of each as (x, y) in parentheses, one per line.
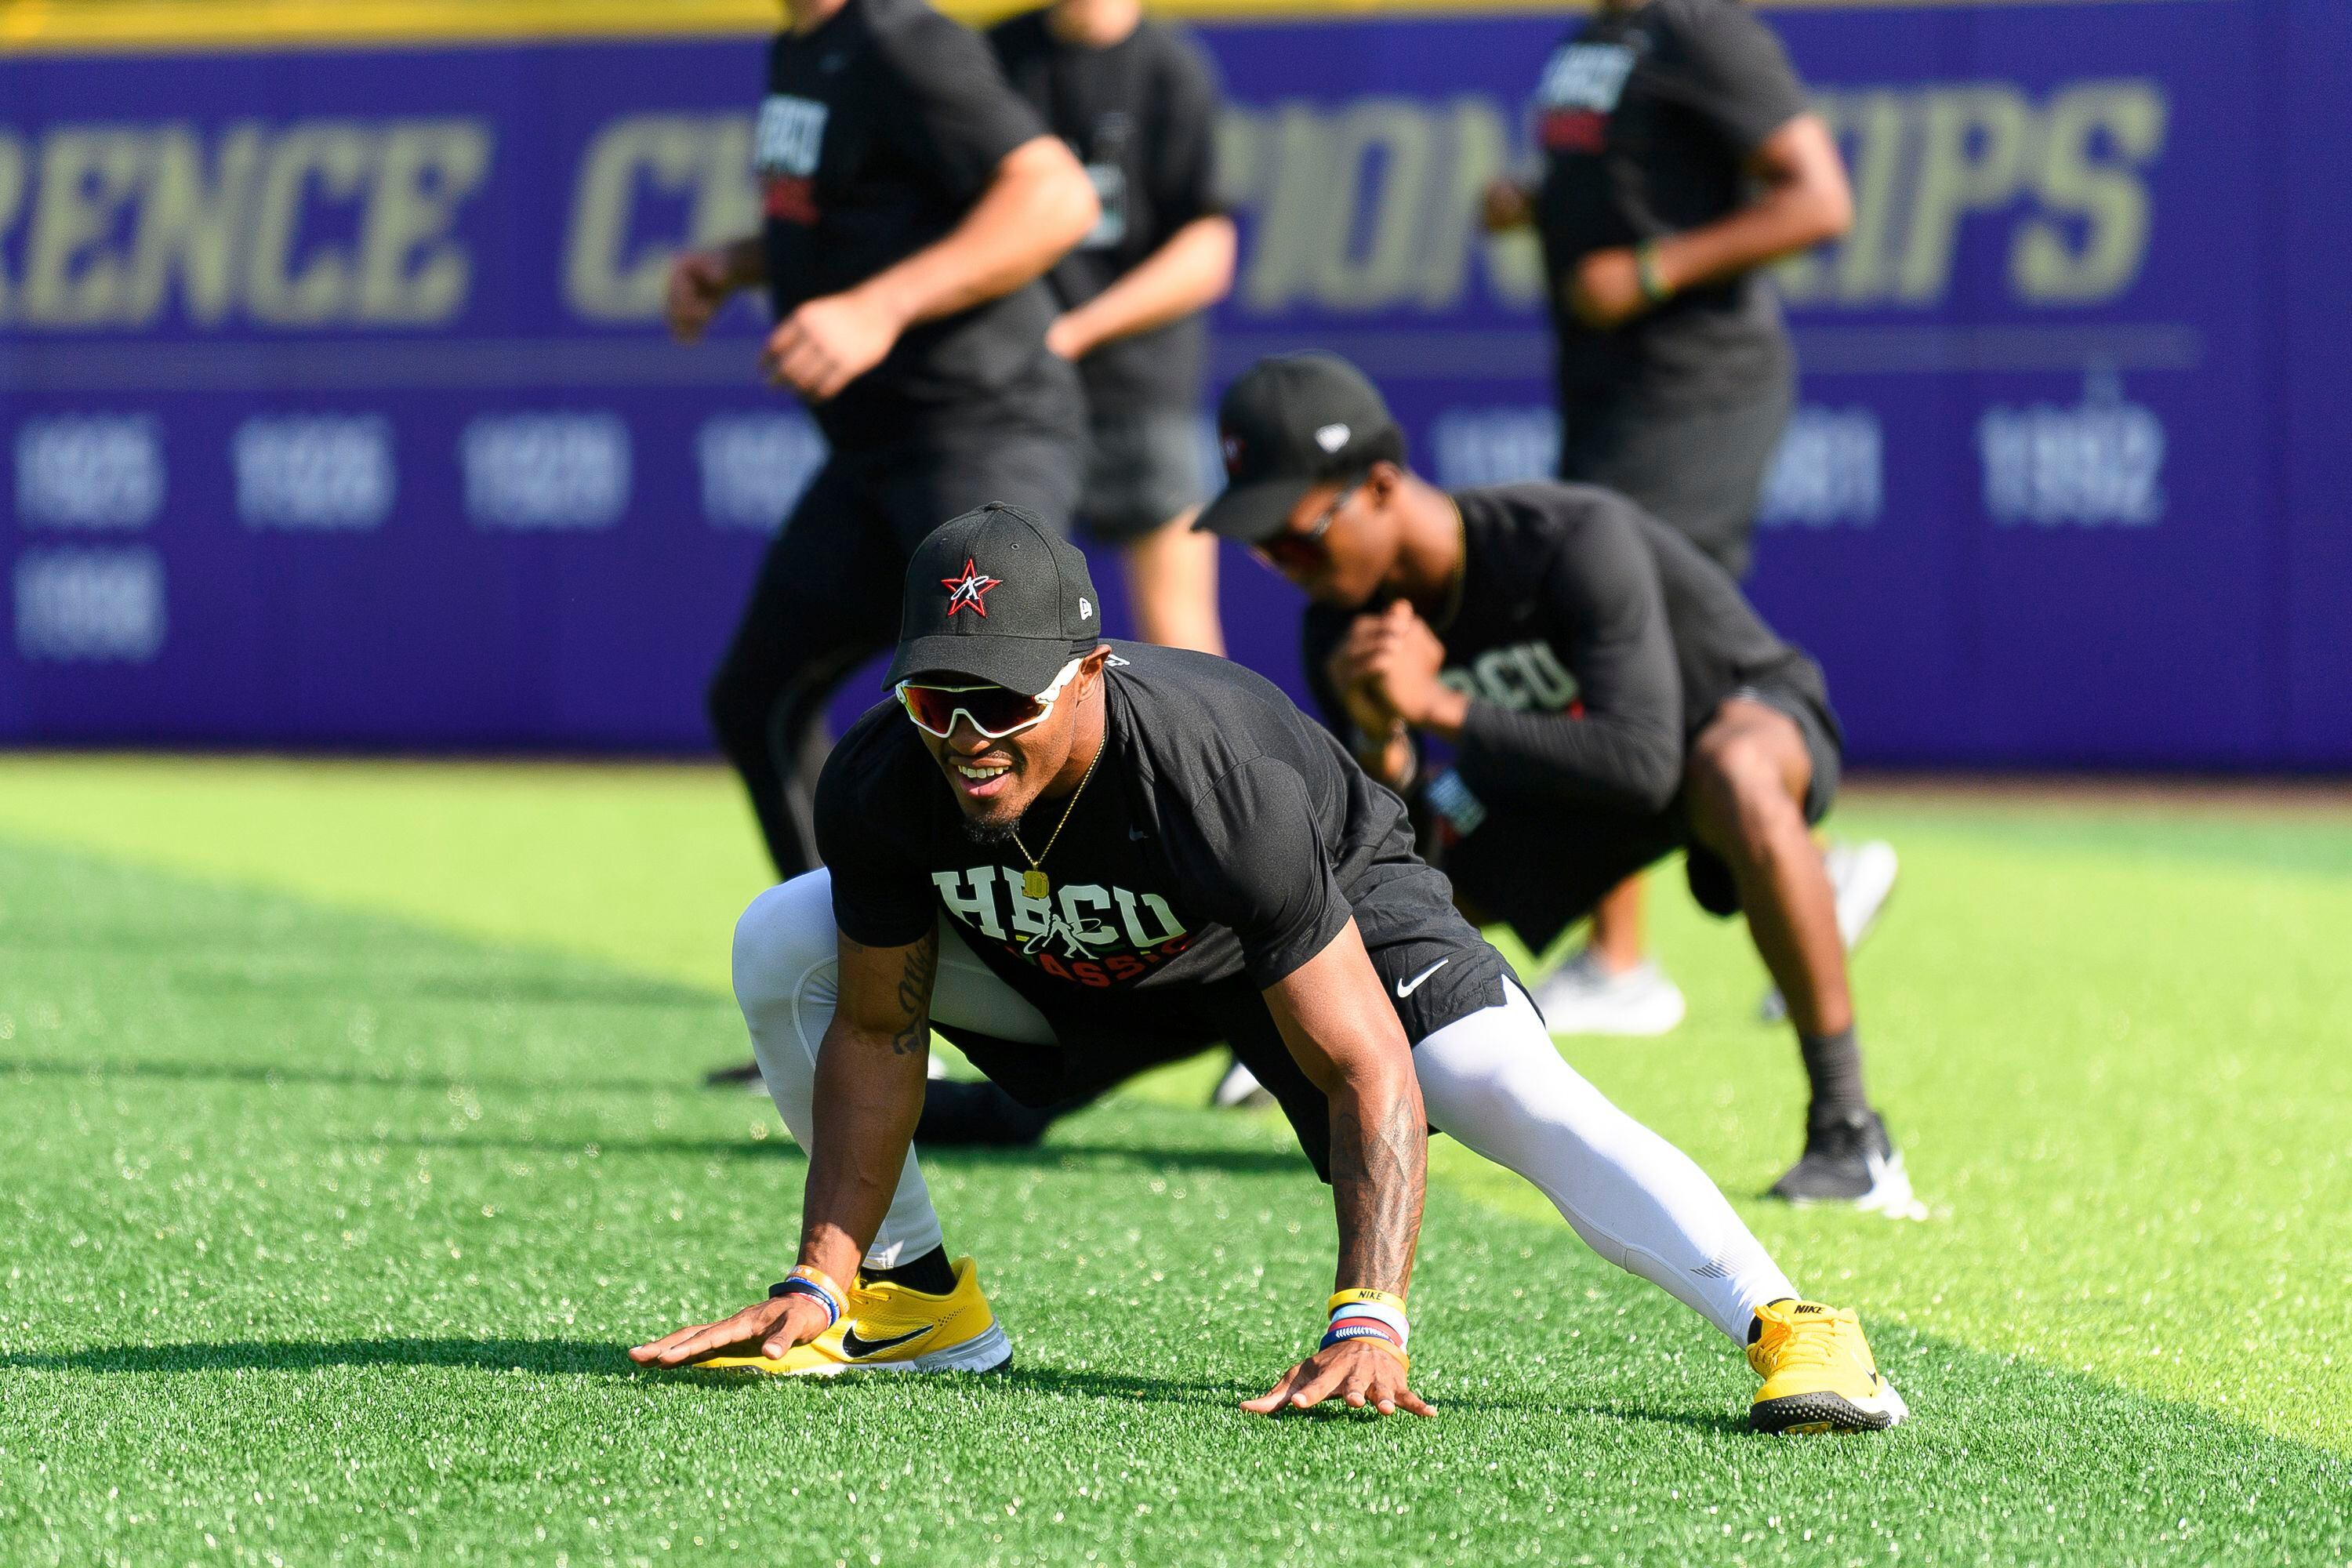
(336, 411)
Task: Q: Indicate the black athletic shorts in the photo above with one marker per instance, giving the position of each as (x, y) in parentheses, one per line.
(1144, 468)
(1541, 870)
(1700, 471)
(1408, 942)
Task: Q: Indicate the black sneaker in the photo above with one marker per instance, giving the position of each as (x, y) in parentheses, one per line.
(1850, 1160)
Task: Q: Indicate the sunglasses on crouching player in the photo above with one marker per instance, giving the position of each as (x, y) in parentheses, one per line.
(1304, 550)
(994, 711)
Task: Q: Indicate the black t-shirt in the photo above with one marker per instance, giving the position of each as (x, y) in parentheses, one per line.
(1647, 121)
(1142, 116)
(1594, 643)
(1223, 841)
(879, 129)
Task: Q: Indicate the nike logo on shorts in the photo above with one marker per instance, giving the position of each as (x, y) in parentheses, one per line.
(1407, 987)
(858, 1348)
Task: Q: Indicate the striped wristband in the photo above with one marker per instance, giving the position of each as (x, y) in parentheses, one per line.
(1368, 1315)
(816, 1284)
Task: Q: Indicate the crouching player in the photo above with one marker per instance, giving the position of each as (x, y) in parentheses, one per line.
(1076, 859)
(1609, 696)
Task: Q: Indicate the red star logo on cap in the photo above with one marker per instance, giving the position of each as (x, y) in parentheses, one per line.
(970, 589)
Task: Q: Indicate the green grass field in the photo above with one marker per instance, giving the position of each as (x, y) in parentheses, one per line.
(352, 1130)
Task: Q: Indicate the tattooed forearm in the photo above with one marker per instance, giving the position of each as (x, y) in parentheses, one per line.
(1380, 1161)
(915, 998)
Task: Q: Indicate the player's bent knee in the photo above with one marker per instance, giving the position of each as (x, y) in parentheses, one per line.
(784, 932)
(1738, 796)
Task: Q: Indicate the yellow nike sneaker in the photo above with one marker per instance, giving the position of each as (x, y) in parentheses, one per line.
(1818, 1371)
(891, 1326)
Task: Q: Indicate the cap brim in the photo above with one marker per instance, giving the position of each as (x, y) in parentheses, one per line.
(1026, 665)
(1254, 512)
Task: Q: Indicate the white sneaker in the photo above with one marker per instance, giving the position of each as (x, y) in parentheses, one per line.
(1580, 997)
(1239, 1087)
(1862, 879)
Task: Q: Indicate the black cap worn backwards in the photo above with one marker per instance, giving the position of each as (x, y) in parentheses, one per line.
(995, 597)
(1291, 422)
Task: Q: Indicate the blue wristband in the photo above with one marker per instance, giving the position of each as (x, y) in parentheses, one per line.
(797, 1286)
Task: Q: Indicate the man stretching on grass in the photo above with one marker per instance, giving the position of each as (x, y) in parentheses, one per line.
(1608, 695)
(1230, 875)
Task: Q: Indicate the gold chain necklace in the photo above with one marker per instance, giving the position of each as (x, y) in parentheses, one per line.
(1034, 883)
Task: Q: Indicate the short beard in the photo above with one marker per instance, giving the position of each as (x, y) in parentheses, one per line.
(988, 835)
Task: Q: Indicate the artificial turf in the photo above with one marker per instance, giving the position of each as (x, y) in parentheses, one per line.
(352, 1130)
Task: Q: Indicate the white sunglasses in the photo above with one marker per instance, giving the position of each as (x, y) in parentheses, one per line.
(994, 711)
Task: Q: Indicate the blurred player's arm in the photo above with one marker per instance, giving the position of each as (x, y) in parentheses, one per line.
(1189, 273)
(1192, 269)
(700, 281)
(1748, 90)
(1038, 205)
(1802, 199)
(1343, 1031)
(870, 1091)
(1506, 205)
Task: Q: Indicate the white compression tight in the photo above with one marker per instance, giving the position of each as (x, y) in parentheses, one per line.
(1492, 1079)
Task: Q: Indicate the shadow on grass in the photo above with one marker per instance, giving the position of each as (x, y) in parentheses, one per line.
(572, 1357)
(1156, 1156)
(1043, 1157)
(1227, 1395)
(272, 1074)
(587, 1358)
(581, 1357)
(376, 985)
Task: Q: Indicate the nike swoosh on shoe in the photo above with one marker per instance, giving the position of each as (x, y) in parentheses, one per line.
(857, 1348)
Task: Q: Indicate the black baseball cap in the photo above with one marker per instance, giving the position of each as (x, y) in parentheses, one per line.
(1290, 422)
(996, 596)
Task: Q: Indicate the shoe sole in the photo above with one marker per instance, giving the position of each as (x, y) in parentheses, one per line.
(988, 1352)
(1808, 1413)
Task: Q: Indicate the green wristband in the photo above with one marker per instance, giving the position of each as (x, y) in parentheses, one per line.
(1654, 287)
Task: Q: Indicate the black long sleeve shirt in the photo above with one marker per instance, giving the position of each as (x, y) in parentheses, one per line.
(1593, 642)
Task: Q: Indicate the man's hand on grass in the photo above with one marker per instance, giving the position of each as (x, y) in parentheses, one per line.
(769, 1328)
(1363, 1374)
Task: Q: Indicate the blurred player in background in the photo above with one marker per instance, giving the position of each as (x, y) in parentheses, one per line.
(1136, 100)
(913, 203)
(1679, 160)
(1609, 695)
